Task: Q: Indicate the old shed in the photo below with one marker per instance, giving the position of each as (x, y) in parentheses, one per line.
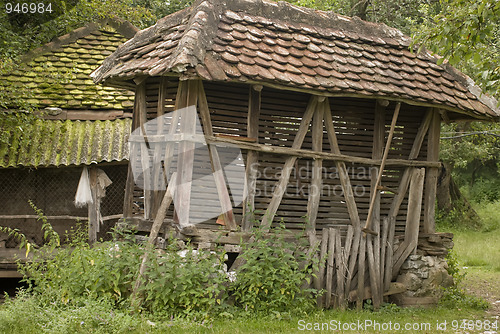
(338, 124)
(80, 125)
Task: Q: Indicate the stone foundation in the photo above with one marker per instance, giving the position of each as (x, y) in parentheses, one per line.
(425, 273)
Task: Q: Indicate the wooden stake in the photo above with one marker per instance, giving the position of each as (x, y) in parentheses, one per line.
(432, 175)
(322, 261)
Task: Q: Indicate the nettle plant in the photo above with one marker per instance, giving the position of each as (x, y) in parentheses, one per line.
(274, 274)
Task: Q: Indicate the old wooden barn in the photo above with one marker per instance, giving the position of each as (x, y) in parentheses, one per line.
(338, 122)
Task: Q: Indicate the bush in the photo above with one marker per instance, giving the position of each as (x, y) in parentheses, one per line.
(273, 275)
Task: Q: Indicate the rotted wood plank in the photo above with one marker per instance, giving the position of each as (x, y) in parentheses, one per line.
(282, 183)
(330, 266)
(383, 252)
(252, 164)
(412, 220)
(339, 262)
(144, 148)
(361, 273)
(218, 171)
(316, 180)
(345, 261)
(432, 174)
(93, 208)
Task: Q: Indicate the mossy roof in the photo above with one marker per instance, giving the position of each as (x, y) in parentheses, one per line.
(57, 74)
(63, 143)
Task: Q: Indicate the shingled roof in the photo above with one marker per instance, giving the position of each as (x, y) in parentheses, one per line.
(57, 74)
(285, 46)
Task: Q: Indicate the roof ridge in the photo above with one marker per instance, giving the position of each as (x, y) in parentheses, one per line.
(193, 44)
(125, 28)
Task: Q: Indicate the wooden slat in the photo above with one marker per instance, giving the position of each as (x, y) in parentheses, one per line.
(361, 273)
(330, 266)
(432, 174)
(218, 172)
(252, 159)
(340, 288)
(287, 168)
(345, 262)
(321, 270)
(383, 252)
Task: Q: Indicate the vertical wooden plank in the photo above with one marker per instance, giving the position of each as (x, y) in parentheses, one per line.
(130, 183)
(93, 210)
(282, 183)
(361, 273)
(391, 221)
(144, 147)
(252, 163)
(373, 270)
(330, 266)
(186, 156)
(345, 262)
(158, 179)
(321, 270)
(218, 172)
(340, 291)
(432, 174)
(383, 251)
(316, 181)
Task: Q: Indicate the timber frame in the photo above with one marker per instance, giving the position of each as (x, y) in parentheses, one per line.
(318, 136)
(337, 120)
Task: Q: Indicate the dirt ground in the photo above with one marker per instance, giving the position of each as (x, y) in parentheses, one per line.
(485, 284)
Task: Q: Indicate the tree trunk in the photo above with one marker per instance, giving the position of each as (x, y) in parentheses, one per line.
(449, 198)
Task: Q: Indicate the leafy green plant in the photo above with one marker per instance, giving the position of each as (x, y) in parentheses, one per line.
(184, 282)
(273, 274)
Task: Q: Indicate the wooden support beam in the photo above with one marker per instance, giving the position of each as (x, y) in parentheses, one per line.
(218, 171)
(345, 263)
(383, 252)
(361, 273)
(316, 181)
(93, 208)
(300, 153)
(186, 154)
(158, 177)
(252, 163)
(282, 183)
(130, 183)
(412, 221)
(432, 175)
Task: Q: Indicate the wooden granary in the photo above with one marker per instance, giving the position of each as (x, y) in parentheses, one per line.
(337, 121)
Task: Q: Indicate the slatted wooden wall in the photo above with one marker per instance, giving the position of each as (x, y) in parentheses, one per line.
(280, 116)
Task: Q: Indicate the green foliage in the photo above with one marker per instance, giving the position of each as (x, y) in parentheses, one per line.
(273, 275)
(467, 34)
(184, 283)
(455, 296)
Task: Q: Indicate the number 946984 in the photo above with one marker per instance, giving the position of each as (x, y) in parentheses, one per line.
(28, 8)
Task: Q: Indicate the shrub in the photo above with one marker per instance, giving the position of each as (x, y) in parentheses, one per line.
(273, 275)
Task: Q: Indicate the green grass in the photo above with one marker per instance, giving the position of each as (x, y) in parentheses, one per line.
(478, 249)
(25, 316)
